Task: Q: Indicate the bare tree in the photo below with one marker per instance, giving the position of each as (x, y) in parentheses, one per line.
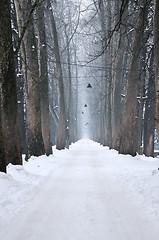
(127, 142)
(156, 56)
(34, 140)
(10, 145)
(61, 135)
(43, 72)
(149, 116)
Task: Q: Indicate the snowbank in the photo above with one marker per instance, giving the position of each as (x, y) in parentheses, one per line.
(19, 185)
(137, 176)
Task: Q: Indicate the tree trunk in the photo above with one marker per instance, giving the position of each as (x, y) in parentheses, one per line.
(45, 118)
(149, 117)
(21, 103)
(106, 81)
(9, 132)
(76, 97)
(140, 100)
(108, 102)
(20, 80)
(61, 134)
(127, 142)
(70, 95)
(118, 80)
(156, 62)
(139, 118)
(34, 140)
(2, 153)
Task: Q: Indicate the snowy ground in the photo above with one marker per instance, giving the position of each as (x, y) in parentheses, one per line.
(85, 193)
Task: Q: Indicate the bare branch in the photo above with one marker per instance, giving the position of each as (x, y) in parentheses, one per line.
(34, 6)
(54, 115)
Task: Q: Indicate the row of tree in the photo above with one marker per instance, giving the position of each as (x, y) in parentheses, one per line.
(24, 57)
(129, 81)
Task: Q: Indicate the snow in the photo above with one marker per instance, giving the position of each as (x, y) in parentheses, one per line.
(85, 193)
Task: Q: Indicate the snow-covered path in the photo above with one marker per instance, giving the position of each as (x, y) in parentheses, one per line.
(81, 201)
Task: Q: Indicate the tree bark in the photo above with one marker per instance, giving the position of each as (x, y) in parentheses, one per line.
(118, 80)
(9, 132)
(70, 95)
(19, 78)
(21, 103)
(127, 142)
(108, 102)
(61, 134)
(156, 62)
(34, 140)
(43, 71)
(149, 117)
(2, 152)
(106, 81)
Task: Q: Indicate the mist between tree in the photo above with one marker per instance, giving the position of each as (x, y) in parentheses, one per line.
(74, 69)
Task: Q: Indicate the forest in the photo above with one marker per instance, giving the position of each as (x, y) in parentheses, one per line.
(71, 69)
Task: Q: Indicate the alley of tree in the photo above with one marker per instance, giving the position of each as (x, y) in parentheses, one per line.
(72, 70)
